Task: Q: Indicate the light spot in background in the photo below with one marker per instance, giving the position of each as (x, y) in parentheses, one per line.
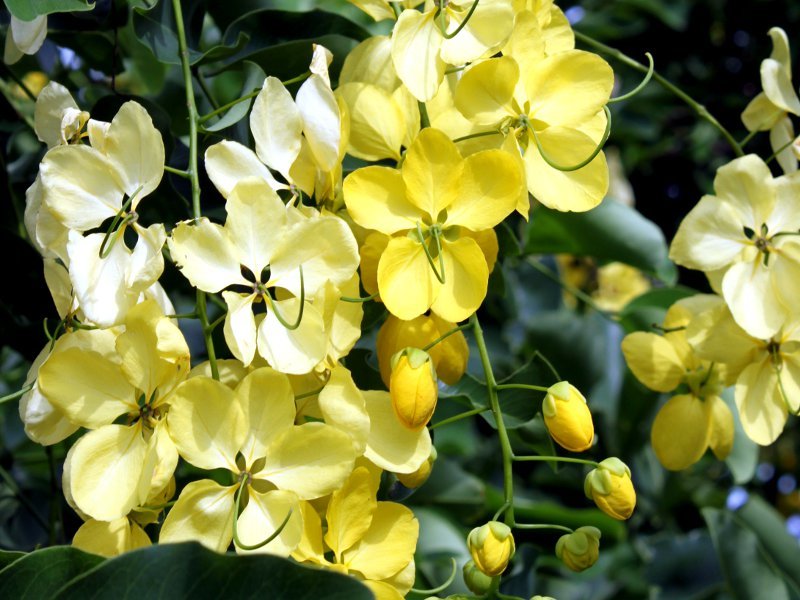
(737, 498)
(787, 484)
(575, 14)
(69, 59)
(673, 191)
(733, 64)
(765, 472)
(741, 38)
(793, 526)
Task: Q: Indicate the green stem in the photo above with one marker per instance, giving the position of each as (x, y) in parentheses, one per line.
(439, 274)
(446, 335)
(56, 514)
(747, 138)
(205, 89)
(586, 298)
(443, 24)
(191, 315)
(580, 461)
(305, 395)
(208, 332)
(178, 172)
(225, 107)
(650, 69)
(701, 110)
(445, 585)
(548, 364)
(424, 119)
(356, 300)
(774, 155)
(475, 135)
(494, 403)
(521, 386)
(262, 543)
(543, 526)
(16, 394)
(460, 416)
(277, 313)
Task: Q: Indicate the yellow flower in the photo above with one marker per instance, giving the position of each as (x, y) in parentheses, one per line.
(567, 417)
(580, 549)
(373, 541)
(554, 102)
(434, 197)
(770, 109)
(250, 432)
(611, 286)
(449, 357)
(491, 547)
(739, 236)
(114, 467)
(413, 387)
(610, 486)
(420, 476)
(688, 424)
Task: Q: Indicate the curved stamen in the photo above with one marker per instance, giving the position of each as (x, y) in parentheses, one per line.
(261, 544)
(435, 234)
(442, 587)
(650, 70)
(443, 24)
(122, 215)
(276, 312)
(581, 164)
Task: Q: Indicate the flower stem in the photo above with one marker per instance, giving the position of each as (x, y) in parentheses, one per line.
(580, 461)
(494, 404)
(543, 526)
(701, 110)
(446, 335)
(460, 416)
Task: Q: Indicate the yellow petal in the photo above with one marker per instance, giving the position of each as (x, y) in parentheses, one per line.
(207, 423)
(377, 124)
(762, 411)
(488, 190)
(416, 41)
(310, 548)
(486, 90)
(376, 199)
(342, 405)
(268, 403)
(293, 351)
(681, 432)
(467, 278)
(228, 162)
(431, 172)
(240, 326)
(579, 190)
(371, 62)
(321, 121)
(205, 255)
(311, 460)
(106, 471)
(396, 334)
(203, 513)
(263, 515)
(390, 445)
(653, 361)
(277, 125)
(748, 289)
(370, 252)
(453, 352)
(110, 538)
(488, 26)
(350, 511)
(761, 114)
(407, 285)
(389, 544)
(722, 428)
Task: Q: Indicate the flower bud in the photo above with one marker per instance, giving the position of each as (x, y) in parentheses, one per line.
(420, 476)
(413, 387)
(567, 417)
(579, 550)
(611, 488)
(491, 547)
(477, 581)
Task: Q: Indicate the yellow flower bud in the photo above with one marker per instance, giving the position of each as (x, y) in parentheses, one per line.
(413, 387)
(611, 488)
(567, 417)
(477, 581)
(420, 476)
(579, 550)
(491, 547)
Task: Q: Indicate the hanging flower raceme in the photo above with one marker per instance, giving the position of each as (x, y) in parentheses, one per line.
(264, 246)
(250, 432)
(373, 541)
(304, 138)
(689, 423)
(745, 238)
(82, 186)
(114, 467)
(432, 205)
(551, 108)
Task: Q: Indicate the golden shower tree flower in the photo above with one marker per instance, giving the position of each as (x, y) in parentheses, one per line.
(746, 236)
(552, 111)
(373, 541)
(114, 467)
(689, 423)
(436, 195)
(277, 247)
(250, 432)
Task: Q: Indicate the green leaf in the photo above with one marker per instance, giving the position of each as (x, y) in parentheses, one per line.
(747, 568)
(28, 10)
(610, 232)
(7, 557)
(190, 570)
(42, 573)
(770, 528)
(650, 308)
(154, 28)
(743, 459)
(254, 79)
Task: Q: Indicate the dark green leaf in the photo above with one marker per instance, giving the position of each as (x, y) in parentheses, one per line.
(7, 557)
(42, 573)
(192, 571)
(28, 10)
(254, 79)
(611, 232)
(641, 313)
(748, 570)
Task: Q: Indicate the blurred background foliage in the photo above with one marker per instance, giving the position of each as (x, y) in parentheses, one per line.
(717, 530)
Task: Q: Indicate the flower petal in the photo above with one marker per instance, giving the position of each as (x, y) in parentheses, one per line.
(240, 326)
(466, 283)
(342, 405)
(407, 285)
(292, 351)
(203, 513)
(229, 162)
(263, 515)
(350, 511)
(681, 432)
(376, 199)
(321, 121)
(431, 172)
(485, 91)
(390, 445)
(277, 126)
(416, 41)
(653, 360)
